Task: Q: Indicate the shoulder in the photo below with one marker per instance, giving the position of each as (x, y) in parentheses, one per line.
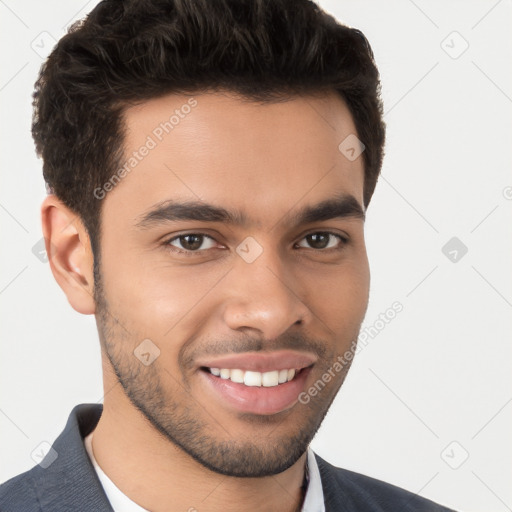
(355, 491)
(65, 478)
(19, 493)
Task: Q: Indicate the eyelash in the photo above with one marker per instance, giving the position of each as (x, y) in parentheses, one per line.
(167, 243)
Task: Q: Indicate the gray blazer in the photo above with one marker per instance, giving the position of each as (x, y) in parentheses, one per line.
(70, 483)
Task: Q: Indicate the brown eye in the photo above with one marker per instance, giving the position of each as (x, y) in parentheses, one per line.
(324, 240)
(191, 242)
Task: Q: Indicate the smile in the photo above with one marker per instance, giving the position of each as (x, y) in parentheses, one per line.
(255, 379)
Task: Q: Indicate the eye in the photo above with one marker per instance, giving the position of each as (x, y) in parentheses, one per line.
(322, 240)
(190, 243)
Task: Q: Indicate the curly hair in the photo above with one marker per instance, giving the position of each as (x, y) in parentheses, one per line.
(128, 51)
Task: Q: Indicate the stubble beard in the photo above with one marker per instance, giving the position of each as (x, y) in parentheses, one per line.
(188, 425)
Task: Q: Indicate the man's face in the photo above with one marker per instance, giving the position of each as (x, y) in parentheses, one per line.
(266, 291)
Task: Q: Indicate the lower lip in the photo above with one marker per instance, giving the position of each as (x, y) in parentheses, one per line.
(255, 399)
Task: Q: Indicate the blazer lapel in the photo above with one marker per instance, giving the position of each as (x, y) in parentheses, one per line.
(335, 497)
(70, 481)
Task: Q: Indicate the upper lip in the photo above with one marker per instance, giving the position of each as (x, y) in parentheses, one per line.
(261, 361)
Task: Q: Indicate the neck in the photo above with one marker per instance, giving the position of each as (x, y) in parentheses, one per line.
(159, 476)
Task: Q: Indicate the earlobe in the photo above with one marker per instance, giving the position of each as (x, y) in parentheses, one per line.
(69, 253)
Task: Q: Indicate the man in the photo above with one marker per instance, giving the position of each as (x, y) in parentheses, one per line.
(209, 167)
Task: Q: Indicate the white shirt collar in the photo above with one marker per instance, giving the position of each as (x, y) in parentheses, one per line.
(118, 500)
(313, 501)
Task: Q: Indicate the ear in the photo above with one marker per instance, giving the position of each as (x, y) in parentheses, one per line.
(69, 252)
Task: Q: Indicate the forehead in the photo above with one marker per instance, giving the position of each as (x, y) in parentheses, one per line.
(259, 158)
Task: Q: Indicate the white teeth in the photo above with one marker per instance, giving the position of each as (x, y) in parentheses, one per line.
(237, 376)
(283, 376)
(255, 379)
(270, 379)
(252, 378)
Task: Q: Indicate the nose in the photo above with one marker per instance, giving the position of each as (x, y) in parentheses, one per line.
(265, 297)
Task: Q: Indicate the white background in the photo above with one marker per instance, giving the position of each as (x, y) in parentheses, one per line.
(434, 386)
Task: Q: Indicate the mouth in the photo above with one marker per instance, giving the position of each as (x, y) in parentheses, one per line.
(257, 383)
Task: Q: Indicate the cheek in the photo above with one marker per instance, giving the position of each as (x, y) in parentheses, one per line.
(153, 297)
(339, 295)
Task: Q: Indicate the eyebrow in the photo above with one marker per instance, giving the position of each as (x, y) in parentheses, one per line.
(341, 206)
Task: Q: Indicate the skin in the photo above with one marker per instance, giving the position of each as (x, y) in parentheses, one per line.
(164, 438)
